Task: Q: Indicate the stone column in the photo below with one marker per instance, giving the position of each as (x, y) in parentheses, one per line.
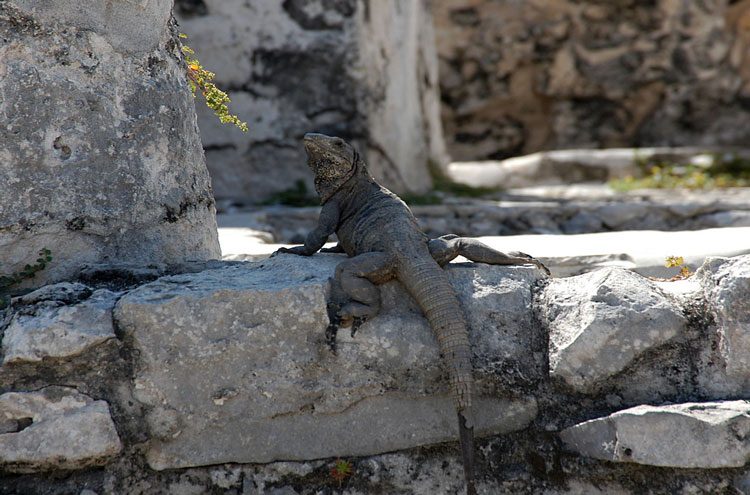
(100, 154)
(362, 70)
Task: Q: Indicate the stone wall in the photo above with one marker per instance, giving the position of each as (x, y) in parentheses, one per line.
(522, 76)
(220, 380)
(101, 159)
(362, 70)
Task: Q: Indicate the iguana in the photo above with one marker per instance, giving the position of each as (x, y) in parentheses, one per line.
(383, 240)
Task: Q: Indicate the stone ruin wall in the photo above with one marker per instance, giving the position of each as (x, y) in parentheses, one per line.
(220, 380)
(522, 76)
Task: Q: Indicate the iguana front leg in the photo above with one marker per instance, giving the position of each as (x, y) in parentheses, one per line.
(327, 223)
(445, 248)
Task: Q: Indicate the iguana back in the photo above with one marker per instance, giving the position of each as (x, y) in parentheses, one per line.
(375, 219)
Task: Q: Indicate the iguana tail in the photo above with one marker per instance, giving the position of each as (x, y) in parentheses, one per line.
(429, 286)
(466, 437)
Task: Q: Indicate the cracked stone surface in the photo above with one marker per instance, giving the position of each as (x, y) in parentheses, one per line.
(59, 332)
(55, 428)
(600, 321)
(689, 435)
(235, 364)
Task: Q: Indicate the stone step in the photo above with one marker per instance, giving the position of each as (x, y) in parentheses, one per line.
(242, 238)
(691, 435)
(570, 209)
(578, 165)
(583, 209)
(234, 365)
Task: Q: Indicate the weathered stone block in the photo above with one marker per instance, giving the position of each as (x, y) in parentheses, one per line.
(55, 428)
(234, 362)
(60, 332)
(101, 158)
(726, 368)
(690, 435)
(600, 321)
(131, 26)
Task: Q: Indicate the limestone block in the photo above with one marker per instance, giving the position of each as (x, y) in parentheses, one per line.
(55, 428)
(132, 26)
(235, 363)
(59, 332)
(726, 282)
(689, 435)
(101, 158)
(364, 71)
(600, 321)
(60, 293)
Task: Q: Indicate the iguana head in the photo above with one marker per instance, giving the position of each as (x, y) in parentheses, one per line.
(333, 160)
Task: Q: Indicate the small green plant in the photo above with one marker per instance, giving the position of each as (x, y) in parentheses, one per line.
(341, 470)
(202, 79)
(29, 271)
(720, 170)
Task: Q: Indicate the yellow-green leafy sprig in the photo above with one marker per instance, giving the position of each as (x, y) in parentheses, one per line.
(678, 262)
(201, 78)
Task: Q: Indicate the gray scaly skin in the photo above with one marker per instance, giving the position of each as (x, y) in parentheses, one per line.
(382, 239)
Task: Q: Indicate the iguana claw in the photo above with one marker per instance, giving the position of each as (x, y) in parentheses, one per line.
(334, 322)
(331, 332)
(358, 320)
(541, 266)
(532, 260)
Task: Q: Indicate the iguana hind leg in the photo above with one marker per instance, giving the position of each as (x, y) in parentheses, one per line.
(355, 297)
(445, 248)
(358, 277)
